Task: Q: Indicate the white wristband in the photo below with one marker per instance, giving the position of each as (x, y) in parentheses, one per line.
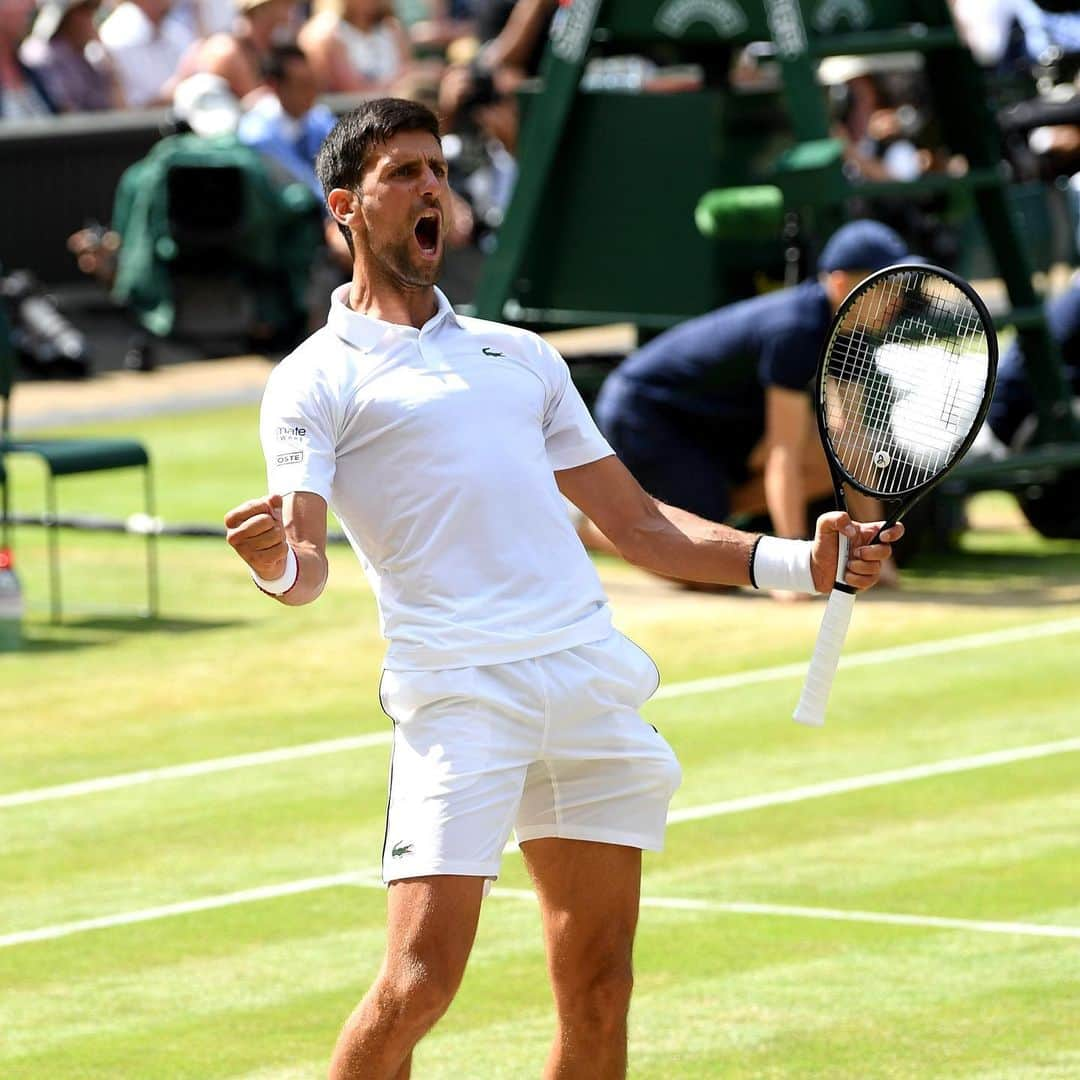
(782, 564)
(282, 584)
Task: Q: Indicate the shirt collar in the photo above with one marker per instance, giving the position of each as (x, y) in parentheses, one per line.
(365, 332)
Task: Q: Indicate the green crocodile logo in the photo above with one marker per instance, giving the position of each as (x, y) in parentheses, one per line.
(400, 849)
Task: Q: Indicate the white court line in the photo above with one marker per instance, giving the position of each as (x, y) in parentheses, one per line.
(989, 639)
(194, 768)
(695, 686)
(885, 918)
(872, 780)
(306, 885)
(187, 907)
(861, 783)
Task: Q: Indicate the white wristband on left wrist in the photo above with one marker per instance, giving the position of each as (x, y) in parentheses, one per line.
(280, 585)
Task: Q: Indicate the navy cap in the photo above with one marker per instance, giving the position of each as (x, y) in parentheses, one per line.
(864, 245)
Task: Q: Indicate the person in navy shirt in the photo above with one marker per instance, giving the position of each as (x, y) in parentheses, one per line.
(713, 416)
(1013, 402)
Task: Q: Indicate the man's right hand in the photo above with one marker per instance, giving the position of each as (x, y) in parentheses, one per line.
(255, 531)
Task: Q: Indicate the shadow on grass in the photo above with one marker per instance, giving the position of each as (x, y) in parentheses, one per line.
(140, 624)
(989, 571)
(71, 632)
(1001, 574)
(42, 646)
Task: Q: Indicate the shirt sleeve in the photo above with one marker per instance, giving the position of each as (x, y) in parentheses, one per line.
(571, 436)
(298, 430)
(789, 358)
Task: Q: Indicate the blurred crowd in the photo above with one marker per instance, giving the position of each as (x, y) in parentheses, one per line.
(256, 75)
(257, 68)
(59, 56)
(266, 63)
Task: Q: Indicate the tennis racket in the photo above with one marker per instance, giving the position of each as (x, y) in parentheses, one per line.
(903, 385)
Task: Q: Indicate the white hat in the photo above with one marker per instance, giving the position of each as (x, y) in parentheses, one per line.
(206, 104)
(50, 15)
(841, 69)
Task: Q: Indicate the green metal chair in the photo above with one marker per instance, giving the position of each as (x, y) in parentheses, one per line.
(69, 457)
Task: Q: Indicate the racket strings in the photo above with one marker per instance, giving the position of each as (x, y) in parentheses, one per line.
(905, 379)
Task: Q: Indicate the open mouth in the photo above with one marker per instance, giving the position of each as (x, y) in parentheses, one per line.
(427, 233)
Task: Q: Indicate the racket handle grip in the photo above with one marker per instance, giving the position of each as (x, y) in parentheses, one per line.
(830, 641)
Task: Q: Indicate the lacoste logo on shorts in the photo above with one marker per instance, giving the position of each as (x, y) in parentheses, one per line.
(491, 352)
(400, 849)
(288, 459)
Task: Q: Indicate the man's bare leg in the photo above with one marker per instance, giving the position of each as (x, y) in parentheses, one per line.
(589, 895)
(431, 924)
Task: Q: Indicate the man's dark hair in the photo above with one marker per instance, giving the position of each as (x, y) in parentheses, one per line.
(344, 154)
(275, 64)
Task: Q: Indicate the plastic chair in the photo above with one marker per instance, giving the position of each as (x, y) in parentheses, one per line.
(69, 457)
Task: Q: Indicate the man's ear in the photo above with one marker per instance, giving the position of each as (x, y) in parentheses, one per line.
(838, 283)
(343, 204)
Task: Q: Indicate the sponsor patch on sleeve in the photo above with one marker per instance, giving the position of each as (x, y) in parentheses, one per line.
(289, 459)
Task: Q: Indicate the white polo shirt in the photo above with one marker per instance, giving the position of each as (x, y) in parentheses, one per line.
(436, 450)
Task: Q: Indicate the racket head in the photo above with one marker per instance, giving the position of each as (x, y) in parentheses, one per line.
(904, 381)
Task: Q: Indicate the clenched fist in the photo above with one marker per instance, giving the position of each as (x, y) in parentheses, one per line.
(255, 530)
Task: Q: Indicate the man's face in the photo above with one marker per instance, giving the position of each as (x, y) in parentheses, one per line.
(404, 204)
(297, 91)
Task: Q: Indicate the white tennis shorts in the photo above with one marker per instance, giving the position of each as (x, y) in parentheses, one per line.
(551, 746)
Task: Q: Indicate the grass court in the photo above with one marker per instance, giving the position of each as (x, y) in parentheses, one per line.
(879, 898)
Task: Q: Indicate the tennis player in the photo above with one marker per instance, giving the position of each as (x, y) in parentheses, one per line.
(445, 446)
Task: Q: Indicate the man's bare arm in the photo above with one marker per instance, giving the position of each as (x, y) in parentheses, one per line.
(649, 533)
(261, 531)
(678, 544)
(788, 421)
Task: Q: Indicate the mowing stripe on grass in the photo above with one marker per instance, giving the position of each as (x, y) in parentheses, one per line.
(869, 780)
(187, 907)
(194, 768)
(694, 686)
(989, 639)
(333, 881)
(872, 780)
(885, 918)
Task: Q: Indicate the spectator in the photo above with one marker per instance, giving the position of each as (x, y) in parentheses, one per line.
(510, 42)
(992, 28)
(146, 48)
(482, 144)
(65, 52)
(713, 416)
(22, 93)
(203, 18)
(434, 24)
(287, 125)
(1012, 410)
(889, 134)
(879, 129)
(238, 56)
(356, 45)
(514, 36)
(205, 105)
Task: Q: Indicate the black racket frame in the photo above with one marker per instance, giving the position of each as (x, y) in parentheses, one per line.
(840, 476)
